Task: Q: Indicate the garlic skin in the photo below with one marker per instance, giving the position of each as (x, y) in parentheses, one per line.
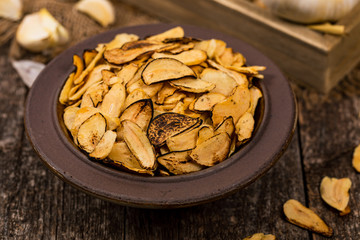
(11, 9)
(39, 31)
(311, 11)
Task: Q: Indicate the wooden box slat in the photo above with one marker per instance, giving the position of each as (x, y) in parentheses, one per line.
(308, 57)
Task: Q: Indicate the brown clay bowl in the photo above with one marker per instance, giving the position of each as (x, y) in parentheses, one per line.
(275, 125)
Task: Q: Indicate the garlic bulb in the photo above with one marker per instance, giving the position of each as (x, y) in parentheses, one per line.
(39, 31)
(101, 11)
(311, 11)
(11, 9)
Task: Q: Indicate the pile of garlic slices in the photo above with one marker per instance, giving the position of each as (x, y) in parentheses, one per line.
(163, 105)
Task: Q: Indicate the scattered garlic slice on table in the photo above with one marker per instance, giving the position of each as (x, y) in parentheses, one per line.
(260, 236)
(356, 158)
(298, 214)
(335, 192)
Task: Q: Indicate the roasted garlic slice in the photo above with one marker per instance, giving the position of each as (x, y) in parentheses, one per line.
(179, 163)
(183, 141)
(90, 132)
(226, 126)
(255, 95)
(205, 132)
(80, 117)
(93, 77)
(103, 148)
(224, 84)
(69, 116)
(166, 125)
(121, 156)
(304, 217)
(335, 192)
(132, 50)
(176, 32)
(356, 158)
(134, 96)
(139, 144)
(240, 79)
(165, 69)
(189, 84)
(235, 105)
(244, 127)
(213, 150)
(206, 101)
(189, 58)
(114, 100)
(260, 236)
(140, 112)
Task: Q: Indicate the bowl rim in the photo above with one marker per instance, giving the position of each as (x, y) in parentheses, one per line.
(242, 168)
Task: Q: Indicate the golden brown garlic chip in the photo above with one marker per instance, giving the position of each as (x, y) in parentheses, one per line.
(304, 217)
(356, 158)
(90, 132)
(138, 144)
(213, 150)
(103, 148)
(190, 58)
(121, 156)
(335, 192)
(260, 236)
(165, 69)
(176, 32)
(169, 124)
(235, 105)
(179, 162)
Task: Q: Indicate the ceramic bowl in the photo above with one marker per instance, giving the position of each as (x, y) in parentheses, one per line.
(275, 124)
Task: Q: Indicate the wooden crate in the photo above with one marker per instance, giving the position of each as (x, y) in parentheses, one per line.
(307, 57)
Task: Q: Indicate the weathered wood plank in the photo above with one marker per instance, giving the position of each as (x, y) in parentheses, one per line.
(330, 129)
(42, 207)
(257, 208)
(12, 95)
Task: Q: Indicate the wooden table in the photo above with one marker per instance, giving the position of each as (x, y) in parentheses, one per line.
(34, 204)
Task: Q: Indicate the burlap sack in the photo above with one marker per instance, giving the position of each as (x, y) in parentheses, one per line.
(79, 25)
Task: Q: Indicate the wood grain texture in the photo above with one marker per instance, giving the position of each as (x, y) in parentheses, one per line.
(330, 130)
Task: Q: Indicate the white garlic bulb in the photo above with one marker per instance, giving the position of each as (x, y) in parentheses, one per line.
(311, 11)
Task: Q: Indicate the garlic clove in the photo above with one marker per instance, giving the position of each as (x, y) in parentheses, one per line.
(11, 9)
(31, 35)
(39, 31)
(58, 34)
(101, 11)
